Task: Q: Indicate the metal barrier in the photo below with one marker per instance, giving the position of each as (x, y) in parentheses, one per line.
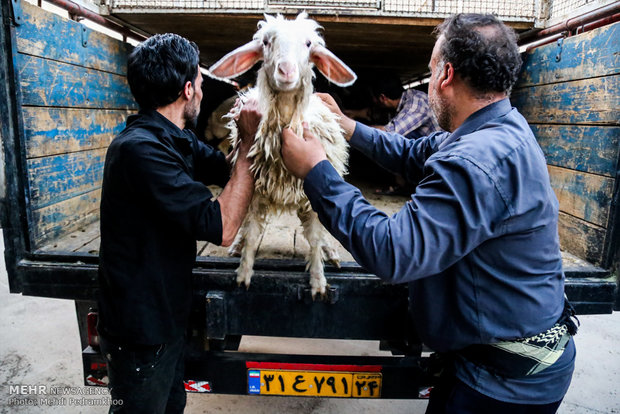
(508, 10)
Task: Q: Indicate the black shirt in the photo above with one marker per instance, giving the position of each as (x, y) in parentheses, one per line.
(154, 206)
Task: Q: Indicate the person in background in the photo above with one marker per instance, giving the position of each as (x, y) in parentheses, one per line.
(155, 204)
(412, 118)
(478, 240)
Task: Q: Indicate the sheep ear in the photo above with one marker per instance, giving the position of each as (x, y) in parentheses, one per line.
(238, 61)
(331, 67)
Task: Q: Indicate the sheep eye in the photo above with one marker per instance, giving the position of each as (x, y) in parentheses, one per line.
(308, 43)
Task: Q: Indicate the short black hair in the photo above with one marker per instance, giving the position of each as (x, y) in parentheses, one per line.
(482, 50)
(159, 67)
(387, 83)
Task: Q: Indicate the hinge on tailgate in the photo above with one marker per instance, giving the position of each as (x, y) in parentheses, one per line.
(216, 315)
(84, 36)
(16, 10)
(558, 55)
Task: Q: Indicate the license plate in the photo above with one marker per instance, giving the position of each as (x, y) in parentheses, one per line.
(314, 383)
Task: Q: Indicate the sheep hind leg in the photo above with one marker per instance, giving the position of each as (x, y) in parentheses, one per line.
(314, 234)
(249, 237)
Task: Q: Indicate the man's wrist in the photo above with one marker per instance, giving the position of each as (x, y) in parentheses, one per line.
(348, 126)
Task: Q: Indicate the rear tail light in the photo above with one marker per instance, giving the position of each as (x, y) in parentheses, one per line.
(93, 335)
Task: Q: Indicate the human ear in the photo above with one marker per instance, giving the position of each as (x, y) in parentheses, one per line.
(447, 75)
(188, 90)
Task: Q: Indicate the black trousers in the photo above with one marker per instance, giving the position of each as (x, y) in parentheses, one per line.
(145, 379)
(452, 396)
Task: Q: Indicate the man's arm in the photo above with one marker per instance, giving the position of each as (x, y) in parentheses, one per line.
(442, 223)
(159, 178)
(391, 151)
(236, 196)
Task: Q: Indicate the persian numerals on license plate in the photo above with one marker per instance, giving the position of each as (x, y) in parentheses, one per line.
(315, 383)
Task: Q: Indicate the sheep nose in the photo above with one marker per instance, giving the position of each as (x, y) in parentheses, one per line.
(287, 70)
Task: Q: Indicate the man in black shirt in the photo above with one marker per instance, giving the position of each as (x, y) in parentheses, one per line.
(154, 206)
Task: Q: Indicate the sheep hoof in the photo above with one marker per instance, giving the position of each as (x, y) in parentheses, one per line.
(317, 285)
(243, 283)
(335, 262)
(243, 278)
(332, 255)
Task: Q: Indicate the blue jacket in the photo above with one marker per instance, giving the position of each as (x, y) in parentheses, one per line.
(478, 241)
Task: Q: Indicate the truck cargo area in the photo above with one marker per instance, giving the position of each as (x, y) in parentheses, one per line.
(64, 96)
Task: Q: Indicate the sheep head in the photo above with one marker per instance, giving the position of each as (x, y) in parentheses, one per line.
(288, 49)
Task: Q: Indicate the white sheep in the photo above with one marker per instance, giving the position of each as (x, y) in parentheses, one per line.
(289, 50)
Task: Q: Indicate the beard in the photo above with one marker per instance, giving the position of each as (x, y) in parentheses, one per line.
(190, 114)
(443, 111)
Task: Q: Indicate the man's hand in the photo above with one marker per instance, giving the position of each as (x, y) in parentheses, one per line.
(247, 120)
(346, 123)
(301, 154)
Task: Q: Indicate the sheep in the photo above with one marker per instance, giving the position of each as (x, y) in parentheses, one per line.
(289, 49)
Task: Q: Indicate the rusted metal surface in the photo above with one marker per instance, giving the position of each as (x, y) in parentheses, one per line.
(76, 10)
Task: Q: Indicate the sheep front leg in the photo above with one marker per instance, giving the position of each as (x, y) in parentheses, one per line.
(249, 238)
(235, 248)
(313, 232)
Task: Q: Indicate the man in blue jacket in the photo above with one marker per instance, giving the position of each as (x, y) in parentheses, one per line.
(478, 241)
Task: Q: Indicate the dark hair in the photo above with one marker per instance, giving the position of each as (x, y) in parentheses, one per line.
(482, 50)
(386, 83)
(158, 68)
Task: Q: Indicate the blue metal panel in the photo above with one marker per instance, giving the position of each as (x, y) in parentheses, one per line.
(586, 148)
(596, 53)
(50, 83)
(53, 131)
(58, 178)
(588, 101)
(51, 36)
(51, 222)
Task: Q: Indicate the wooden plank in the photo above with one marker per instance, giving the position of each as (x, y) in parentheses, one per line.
(49, 83)
(586, 148)
(574, 264)
(302, 248)
(92, 247)
(583, 195)
(589, 101)
(48, 35)
(592, 54)
(583, 239)
(53, 131)
(60, 177)
(50, 223)
(214, 250)
(74, 240)
(200, 246)
(278, 238)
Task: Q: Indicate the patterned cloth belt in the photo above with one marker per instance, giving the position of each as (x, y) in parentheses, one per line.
(526, 356)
